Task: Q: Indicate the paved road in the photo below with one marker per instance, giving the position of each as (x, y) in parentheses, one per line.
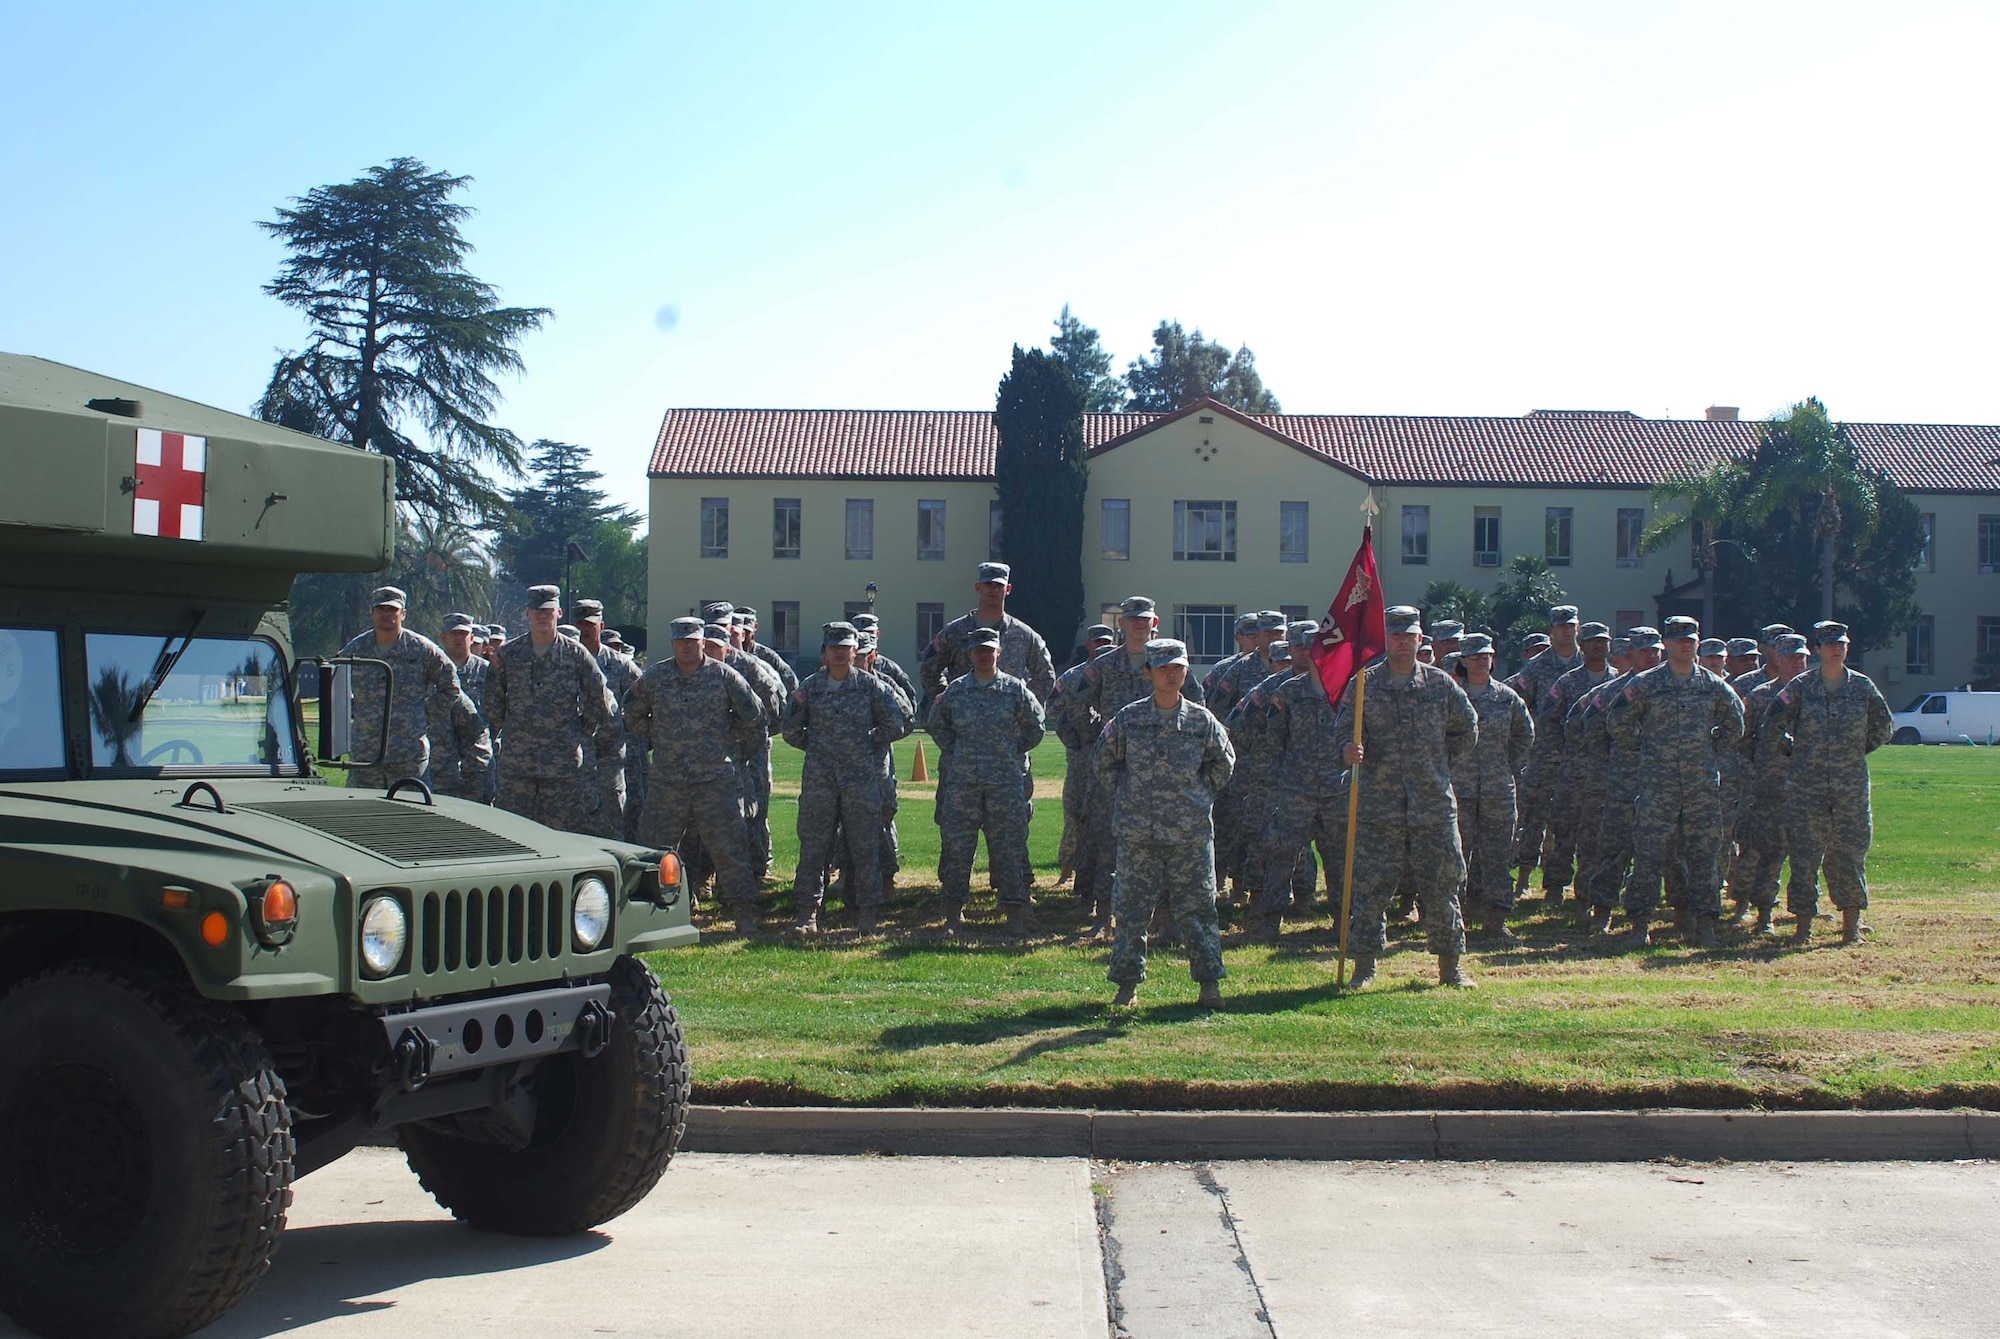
(770, 1247)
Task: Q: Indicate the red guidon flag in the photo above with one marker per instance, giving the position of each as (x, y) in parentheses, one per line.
(172, 485)
(1351, 634)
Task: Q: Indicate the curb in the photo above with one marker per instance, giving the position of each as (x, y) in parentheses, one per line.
(1450, 1136)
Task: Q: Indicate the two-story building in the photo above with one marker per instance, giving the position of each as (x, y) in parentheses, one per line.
(811, 515)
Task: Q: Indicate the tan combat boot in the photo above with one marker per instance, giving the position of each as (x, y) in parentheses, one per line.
(1493, 924)
(865, 920)
(1268, 930)
(1364, 971)
(1020, 921)
(1704, 933)
(1451, 974)
(1850, 927)
(1126, 995)
(1639, 936)
(1600, 921)
(1763, 928)
(954, 922)
(1802, 931)
(1211, 995)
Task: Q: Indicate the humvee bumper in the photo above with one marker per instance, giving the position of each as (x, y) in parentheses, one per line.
(446, 1039)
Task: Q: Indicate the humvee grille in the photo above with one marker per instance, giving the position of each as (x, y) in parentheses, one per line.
(399, 832)
(489, 927)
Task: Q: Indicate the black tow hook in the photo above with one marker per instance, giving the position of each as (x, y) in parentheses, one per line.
(593, 1028)
(414, 1054)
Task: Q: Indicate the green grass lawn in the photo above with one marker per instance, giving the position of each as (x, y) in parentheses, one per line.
(1910, 1018)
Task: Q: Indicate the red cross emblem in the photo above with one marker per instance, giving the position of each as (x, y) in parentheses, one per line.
(172, 485)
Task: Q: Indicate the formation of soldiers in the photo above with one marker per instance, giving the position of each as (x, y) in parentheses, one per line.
(1623, 767)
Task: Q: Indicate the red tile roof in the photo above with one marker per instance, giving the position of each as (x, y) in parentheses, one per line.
(1547, 448)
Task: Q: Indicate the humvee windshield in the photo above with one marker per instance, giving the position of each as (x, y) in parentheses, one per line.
(222, 706)
(31, 732)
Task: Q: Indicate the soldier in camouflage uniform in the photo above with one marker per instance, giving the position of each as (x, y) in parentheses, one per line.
(746, 618)
(1589, 723)
(1417, 726)
(1767, 641)
(1023, 654)
(1541, 782)
(609, 793)
(545, 694)
(737, 653)
(1232, 842)
(1483, 783)
(1587, 747)
(1594, 641)
(1761, 831)
(1306, 803)
(842, 719)
(984, 723)
(462, 640)
(1257, 761)
(422, 690)
(1245, 632)
(1680, 718)
(866, 659)
(882, 666)
(698, 719)
(1712, 654)
(1447, 639)
(1078, 731)
(1834, 717)
(1167, 757)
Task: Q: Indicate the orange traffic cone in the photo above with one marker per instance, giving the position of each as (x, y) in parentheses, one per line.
(919, 772)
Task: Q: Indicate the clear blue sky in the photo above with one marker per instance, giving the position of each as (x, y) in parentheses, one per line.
(1408, 208)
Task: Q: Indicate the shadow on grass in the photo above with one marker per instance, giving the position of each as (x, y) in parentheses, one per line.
(986, 1028)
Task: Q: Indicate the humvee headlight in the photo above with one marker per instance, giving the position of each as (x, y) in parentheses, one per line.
(590, 914)
(384, 931)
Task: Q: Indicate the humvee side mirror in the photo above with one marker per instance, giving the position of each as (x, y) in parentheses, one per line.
(336, 711)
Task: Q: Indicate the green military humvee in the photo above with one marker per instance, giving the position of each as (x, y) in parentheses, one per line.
(218, 973)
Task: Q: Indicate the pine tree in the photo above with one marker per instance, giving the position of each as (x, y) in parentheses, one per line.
(1041, 473)
(560, 506)
(1185, 367)
(1077, 348)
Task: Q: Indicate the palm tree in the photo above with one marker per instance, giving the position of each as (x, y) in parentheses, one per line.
(1804, 459)
(443, 566)
(1449, 599)
(1709, 501)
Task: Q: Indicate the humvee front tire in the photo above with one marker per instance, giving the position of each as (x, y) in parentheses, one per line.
(605, 1128)
(145, 1154)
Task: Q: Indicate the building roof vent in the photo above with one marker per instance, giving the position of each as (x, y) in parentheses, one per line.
(1722, 413)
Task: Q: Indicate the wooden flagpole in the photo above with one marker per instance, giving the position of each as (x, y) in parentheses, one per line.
(1353, 807)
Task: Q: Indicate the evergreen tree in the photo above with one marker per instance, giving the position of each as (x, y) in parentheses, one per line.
(403, 341)
(1521, 603)
(1041, 472)
(559, 506)
(1185, 367)
(1077, 348)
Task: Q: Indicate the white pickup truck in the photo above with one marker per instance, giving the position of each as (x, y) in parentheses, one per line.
(1949, 718)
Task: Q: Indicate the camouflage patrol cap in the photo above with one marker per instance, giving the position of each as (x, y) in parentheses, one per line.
(1475, 644)
(1562, 614)
(1279, 652)
(983, 637)
(1679, 626)
(739, 619)
(1270, 620)
(1740, 646)
(1620, 644)
(570, 630)
(1710, 646)
(999, 572)
(496, 632)
(745, 611)
(1245, 624)
(390, 596)
(715, 632)
(1770, 632)
(612, 637)
(685, 630)
(1643, 638)
(1403, 618)
(1591, 632)
(460, 623)
(1450, 661)
(865, 622)
(1448, 630)
(1301, 631)
(1164, 651)
(544, 597)
(717, 611)
(590, 611)
(1424, 643)
(1533, 642)
(1788, 644)
(864, 643)
(1099, 632)
(1828, 631)
(1136, 606)
(839, 634)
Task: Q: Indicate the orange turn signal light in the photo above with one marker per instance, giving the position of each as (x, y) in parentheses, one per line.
(176, 899)
(214, 929)
(281, 904)
(670, 869)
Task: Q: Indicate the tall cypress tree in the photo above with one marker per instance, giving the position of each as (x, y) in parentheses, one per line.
(1041, 473)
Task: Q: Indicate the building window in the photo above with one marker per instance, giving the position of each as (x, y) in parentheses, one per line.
(1989, 544)
(1206, 629)
(1626, 619)
(1917, 653)
(993, 530)
(1204, 532)
(1556, 526)
(715, 527)
(1927, 556)
(1631, 529)
(1112, 611)
(861, 527)
(1294, 613)
(1485, 536)
(1987, 647)
(930, 622)
(1115, 527)
(785, 627)
(1416, 535)
(930, 531)
(785, 527)
(1291, 532)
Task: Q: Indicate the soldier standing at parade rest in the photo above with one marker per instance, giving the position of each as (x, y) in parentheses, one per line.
(1306, 802)
(1078, 731)
(1417, 726)
(1834, 717)
(985, 723)
(1166, 757)
(1244, 629)
(1761, 830)
(421, 691)
(609, 806)
(465, 645)
(698, 720)
(545, 693)
(1767, 642)
(1740, 657)
(1231, 842)
(747, 618)
(1712, 655)
(1679, 717)
(769, 687)
(1483, 782)
(461, 762)
(1541, 782)
(1249, 727)
(1532, 645)
(1603, 884)
(841, 719)
(1447, 638)
(1023, 654)
(1587, 749)
(883, 666)
(1594, 640)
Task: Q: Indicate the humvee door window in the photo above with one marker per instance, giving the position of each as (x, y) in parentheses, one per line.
(31, 730)
(221, 707)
